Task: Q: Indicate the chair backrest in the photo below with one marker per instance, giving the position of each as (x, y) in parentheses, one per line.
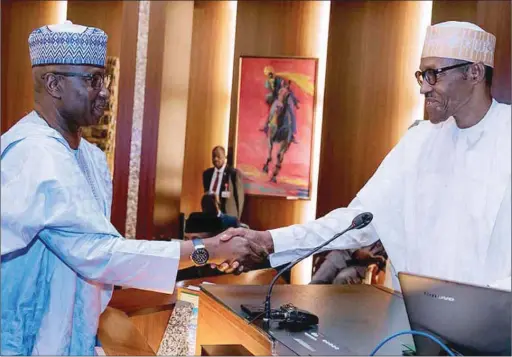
(200, 222)
(181, 222)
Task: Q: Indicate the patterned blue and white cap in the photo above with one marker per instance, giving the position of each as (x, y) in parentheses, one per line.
(68, 43)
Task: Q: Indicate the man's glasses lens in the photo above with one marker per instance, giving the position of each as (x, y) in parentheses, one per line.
(97, 81)
(429, 76)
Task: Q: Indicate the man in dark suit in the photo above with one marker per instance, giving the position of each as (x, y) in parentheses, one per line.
(225, 182)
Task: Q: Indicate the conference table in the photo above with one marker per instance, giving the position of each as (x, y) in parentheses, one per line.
(353, 319)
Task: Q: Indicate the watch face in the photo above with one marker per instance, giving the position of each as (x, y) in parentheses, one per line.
(200, 256)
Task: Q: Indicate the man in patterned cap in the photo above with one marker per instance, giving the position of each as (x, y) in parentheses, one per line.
(441, 199)
(60, 254)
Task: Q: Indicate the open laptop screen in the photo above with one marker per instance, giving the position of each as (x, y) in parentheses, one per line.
(471, 320)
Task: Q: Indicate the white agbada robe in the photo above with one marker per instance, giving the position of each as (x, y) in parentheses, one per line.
(60, 253)
(441, 201)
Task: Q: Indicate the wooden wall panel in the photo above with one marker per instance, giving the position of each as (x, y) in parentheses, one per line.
(450, 10)
(492, 16)
(209, 94)
(152, 95)
(173, 113)
(19, 19)
(495, 17)
(371, 96)
(128, 51)
(106, 15)
(275, 28)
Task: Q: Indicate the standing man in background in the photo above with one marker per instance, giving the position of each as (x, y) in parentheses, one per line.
(225, 182)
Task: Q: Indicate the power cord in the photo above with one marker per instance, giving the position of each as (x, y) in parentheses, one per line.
(412, 332)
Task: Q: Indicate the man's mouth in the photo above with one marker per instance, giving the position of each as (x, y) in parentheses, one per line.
(100, 107)
(430, 101)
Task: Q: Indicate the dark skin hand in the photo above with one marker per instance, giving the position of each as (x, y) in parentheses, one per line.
(238, 249)
(261, 243)
(365, 256)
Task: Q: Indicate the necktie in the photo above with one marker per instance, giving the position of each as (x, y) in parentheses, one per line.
(216, 182)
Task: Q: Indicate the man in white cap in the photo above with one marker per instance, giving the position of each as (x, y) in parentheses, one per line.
(441, 199)
(60, 254)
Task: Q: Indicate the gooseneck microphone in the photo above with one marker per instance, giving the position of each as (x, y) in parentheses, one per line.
(360, 221)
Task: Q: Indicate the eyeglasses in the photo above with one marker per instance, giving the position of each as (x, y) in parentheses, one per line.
(430, 75)
(97, 79)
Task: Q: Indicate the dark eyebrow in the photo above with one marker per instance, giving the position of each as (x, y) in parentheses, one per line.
(97, 71)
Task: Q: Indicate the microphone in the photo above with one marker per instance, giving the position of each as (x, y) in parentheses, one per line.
(360, 221)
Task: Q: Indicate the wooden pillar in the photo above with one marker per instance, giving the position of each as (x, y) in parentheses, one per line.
(173, 113)
(371, 94)
(209, 93)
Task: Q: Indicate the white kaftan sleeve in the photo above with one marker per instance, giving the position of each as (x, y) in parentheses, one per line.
(499, 248)
(382, 196)
(503, 284)
(292, 242)
(45, 196)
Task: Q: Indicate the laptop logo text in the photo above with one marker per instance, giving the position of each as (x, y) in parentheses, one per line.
(439, 297)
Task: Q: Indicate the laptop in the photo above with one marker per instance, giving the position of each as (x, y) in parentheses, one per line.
(469, 319)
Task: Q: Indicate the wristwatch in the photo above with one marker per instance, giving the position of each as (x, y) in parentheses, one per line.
(200, 255)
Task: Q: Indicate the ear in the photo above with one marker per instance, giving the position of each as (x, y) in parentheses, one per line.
(52, 85)
(476, 72)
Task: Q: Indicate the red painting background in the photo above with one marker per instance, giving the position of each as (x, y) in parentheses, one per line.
(252, 144)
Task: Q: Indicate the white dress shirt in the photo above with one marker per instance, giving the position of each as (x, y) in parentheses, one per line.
(220, 173)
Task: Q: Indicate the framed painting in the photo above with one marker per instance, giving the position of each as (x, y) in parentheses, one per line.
(275, 122)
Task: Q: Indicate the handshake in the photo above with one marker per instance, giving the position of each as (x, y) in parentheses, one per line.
(238, 250)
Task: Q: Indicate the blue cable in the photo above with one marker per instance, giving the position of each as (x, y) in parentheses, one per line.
(412, 332)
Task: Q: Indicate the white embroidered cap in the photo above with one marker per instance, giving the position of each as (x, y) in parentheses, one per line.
(460, 40)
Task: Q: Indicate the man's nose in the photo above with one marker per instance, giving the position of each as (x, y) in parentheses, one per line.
(425, 88)
(104, 93)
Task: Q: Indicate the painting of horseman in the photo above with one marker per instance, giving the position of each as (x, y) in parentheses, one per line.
(275, 125)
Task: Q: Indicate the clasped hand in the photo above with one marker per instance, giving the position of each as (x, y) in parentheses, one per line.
(239, 250)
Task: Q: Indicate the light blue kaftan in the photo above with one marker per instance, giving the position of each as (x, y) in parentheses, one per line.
(60, 253)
